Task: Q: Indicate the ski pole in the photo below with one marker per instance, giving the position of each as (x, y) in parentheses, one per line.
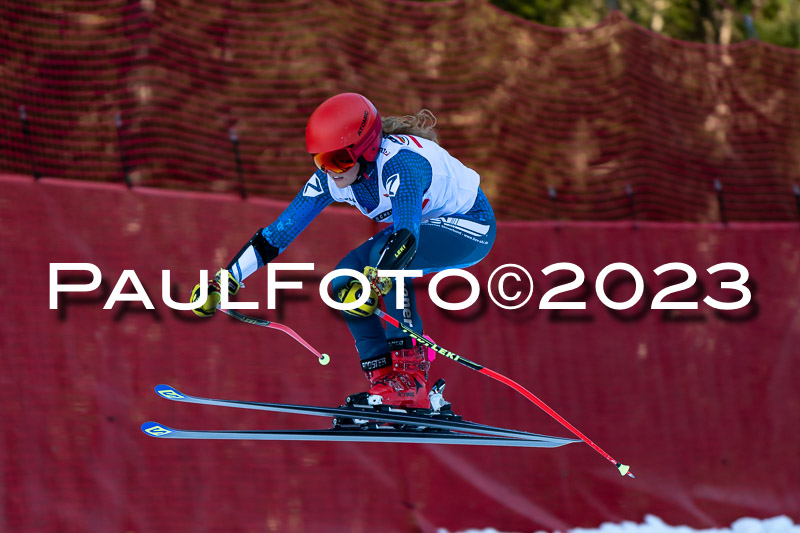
(324, 358)
(623, 469)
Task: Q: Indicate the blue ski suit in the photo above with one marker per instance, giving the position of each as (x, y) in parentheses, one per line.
(413, 185)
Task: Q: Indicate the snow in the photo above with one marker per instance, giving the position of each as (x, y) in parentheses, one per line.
(653, 524)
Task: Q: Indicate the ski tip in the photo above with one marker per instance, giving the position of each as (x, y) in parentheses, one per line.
(170, 393)
(324, 359)
(625, 470)
(156, 430)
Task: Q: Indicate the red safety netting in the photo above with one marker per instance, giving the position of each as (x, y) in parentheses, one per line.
(610, 122)
(701, 403)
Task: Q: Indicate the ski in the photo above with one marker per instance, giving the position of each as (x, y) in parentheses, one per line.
(155, 429)
(378, 414)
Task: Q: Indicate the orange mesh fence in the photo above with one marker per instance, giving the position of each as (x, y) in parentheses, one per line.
(611, 122)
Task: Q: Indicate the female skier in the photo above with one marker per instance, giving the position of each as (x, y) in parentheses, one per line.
(393, 170)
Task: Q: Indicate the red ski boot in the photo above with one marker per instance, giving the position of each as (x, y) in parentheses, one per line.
(404, 381)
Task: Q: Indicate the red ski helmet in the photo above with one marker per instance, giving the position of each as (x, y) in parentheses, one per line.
(342, 129)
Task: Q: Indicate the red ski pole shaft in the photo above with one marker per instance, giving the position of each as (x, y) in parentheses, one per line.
(323, 358)
(623, 469)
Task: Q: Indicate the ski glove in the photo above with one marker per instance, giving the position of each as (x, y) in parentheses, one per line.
(353, 290)
(209, 307)
(382, 285)
(351, 293)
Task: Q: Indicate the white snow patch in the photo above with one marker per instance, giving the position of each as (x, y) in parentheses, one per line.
(653, 524)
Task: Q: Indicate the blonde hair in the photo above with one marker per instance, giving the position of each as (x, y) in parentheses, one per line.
(420, 124)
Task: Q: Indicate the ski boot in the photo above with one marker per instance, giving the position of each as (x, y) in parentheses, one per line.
(399, 384)
(399, 378)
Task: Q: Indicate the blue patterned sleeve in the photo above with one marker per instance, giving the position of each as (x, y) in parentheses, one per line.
(308, 203)
(407, 176)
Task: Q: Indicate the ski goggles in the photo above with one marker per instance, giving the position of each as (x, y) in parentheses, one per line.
(337, 161)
